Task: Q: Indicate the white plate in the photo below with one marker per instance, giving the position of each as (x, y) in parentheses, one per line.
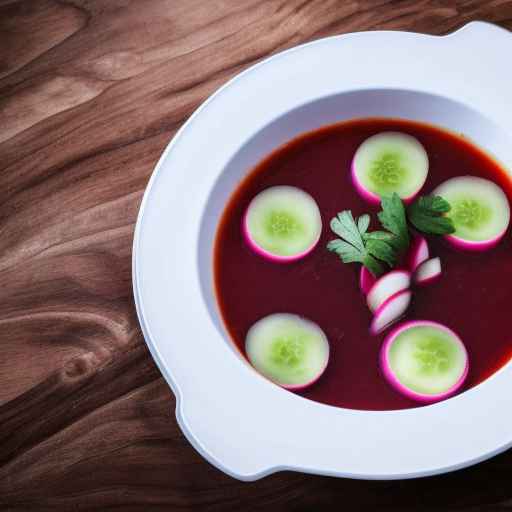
(241, 423)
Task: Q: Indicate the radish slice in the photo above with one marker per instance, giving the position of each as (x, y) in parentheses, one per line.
(424, 361)
(480, 212)
(289, 350)
(386, 286)
(282, 224)
(418, 253)
(366, 280)
(428, 272)
(390, 311)
(389, 162)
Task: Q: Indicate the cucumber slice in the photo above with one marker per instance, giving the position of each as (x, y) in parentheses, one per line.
(287, 349)
(282, 223)
(424, 361)
(389, 162)
(479, 209)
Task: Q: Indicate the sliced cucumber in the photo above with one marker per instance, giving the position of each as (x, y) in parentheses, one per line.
(424, 361)
(282, 223)
(287, 349)
(389, 162)
(479, 209)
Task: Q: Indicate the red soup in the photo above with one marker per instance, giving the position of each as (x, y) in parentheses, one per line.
(473, 296)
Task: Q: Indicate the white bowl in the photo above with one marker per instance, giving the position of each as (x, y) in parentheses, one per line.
(237, 420)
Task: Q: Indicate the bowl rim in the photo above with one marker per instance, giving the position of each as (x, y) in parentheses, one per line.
(201, 420)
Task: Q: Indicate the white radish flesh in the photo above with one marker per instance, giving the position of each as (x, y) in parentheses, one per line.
(386, 286)
(418, 253)
(390, 311)
(428, 272)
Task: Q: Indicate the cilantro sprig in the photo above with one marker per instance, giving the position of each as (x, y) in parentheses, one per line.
(376, 249)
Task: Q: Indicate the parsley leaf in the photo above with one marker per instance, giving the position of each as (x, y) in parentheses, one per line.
(373, 265)
(357, 245)
(379, 235)
(348, 253)
(393, 218)
(376, 248)
(434, 203)
(427, 214)
(345, 227)
(362, 224)
(381, 250)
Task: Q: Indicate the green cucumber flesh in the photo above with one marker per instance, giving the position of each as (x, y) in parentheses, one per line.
(390, 162)
(427, 360)
(287, 349)
(283, 221)
(479, 208)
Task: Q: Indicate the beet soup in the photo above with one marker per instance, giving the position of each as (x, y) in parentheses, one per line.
(472, 297)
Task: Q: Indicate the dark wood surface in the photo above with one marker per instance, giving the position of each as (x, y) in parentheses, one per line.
(91, 91)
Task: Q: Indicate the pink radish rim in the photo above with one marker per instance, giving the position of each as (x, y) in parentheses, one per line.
(369, 196)
(268, 255)
(413, 260)
(475, 245)
(385, 304)
(393, 380)
(427, 280)
(366, 280)
(395, 271)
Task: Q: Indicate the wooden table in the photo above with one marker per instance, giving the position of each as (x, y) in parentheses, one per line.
(91, 91)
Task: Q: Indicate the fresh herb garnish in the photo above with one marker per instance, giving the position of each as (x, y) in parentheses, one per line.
(375, 248)
(426, 214)
(357, 245)
(393, 218)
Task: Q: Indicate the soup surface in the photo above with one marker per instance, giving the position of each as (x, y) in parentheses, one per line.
(473, 296)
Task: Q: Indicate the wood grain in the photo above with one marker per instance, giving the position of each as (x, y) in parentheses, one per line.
(91, 91)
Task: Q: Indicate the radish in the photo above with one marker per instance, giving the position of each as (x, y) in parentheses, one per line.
(366, 280)
(390, 311)
(480, 212)
(418, 253)
(424, 361)
(428, 272)
(287, 349)
(386, 286)
(389, 162)
(282, 224)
